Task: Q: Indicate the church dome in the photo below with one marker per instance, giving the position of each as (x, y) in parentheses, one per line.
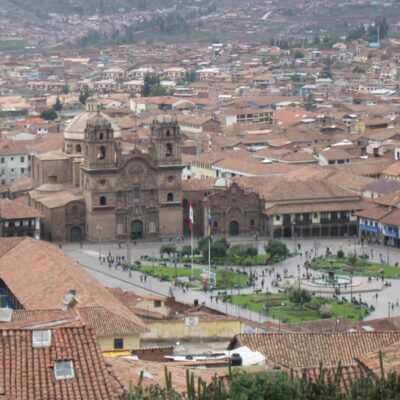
(75, 130)
(222, 182)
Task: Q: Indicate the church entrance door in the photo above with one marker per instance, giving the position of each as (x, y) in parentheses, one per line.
(234, 228)
(75, 234)
(136, 229)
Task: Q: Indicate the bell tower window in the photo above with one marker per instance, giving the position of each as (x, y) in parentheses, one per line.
(168, 149)
(103, 201)
(102, 153)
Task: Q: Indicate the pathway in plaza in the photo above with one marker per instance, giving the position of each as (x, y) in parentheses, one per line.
(88, 256)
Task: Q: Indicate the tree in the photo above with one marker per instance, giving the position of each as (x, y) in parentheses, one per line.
(186, 250)
(167, 248)
(243, 251)
(158, 91)
(275, 248)
(49, 115)
(219, 248)
(65, 89)
(298, 54)
(358, 70)
(57, 106)
(297, 295)
(84, 95)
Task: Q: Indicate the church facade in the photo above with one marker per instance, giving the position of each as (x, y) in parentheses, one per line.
(95, 191)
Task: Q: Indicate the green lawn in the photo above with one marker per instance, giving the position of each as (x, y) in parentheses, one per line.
(171, 273)
(290, 312)
(362, 268)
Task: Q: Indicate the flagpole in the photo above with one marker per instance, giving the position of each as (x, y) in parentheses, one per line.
(191, 250)
(191, 222)
(209, 257)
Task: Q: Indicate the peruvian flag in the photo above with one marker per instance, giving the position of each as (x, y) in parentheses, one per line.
(191, 221)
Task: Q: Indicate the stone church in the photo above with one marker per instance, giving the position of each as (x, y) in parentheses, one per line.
(95, 191)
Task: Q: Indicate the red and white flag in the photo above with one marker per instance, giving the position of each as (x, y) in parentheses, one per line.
(191, 221)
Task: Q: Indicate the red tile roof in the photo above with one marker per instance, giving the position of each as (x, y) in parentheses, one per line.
(10, 209)
(28, 373)
(303, 350)
(23, 267)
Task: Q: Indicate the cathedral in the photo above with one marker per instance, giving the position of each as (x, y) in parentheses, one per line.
(95, 191)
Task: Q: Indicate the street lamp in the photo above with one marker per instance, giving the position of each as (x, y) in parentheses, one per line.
(279, 316)
(298, 270)
(99, 229)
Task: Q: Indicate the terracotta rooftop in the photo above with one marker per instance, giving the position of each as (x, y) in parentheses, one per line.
(373, 212)
(311, 207)
(10, 209)
(390, 200)
(128, 370)
(24, 265)
(305, 350)
(393, 218)
(390, 360)
(304, 190)
(29, 373)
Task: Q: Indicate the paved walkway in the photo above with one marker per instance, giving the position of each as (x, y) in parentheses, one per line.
(88, 256)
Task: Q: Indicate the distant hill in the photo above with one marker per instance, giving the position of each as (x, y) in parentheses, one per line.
(43, 7)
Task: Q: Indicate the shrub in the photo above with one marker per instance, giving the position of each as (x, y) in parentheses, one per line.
(298, 295)
(326, 311)
(340, 254)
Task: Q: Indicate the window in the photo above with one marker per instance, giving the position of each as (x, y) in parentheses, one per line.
(215, 224)
(22, 159)
(157, 303)
(102, 182)
(41, 338)
(118, 343)
(168, 149)
(101, 136)
(103, 201)
(22, 170)
(64, 369)
(136, 194)
(75, 210)
(3, 160)
(168, 133)
(277, 217)
(252, 222)
(170, 178)
(170, 197)
(12, 158)
(102, 153)
(315, 215)
(78, 148)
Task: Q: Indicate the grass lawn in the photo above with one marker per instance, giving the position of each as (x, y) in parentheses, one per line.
(171, 273)
(290, 312)
(362, 268)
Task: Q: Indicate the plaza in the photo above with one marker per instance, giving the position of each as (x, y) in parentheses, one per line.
(385, 304)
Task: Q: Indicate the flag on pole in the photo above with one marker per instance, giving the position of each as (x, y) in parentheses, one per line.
(191, 220)
(209, 220)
